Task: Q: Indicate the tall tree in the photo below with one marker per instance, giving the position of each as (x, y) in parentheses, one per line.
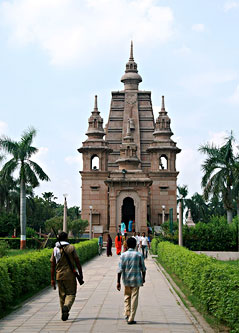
(218, 169)
(182, 196)
(235, 188)
(29, 171)
(199, 208)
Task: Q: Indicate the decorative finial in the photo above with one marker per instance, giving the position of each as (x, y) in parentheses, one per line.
(96, 104)
(131, 58)
(163, 106)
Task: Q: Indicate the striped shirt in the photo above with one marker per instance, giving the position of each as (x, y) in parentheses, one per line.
(131, 266)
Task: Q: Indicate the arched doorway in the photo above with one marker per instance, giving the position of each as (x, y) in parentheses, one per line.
(128, 211)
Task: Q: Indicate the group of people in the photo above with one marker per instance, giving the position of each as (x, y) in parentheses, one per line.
(66, 268)
(142, 243)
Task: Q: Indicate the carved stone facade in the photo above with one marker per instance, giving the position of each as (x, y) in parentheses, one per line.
(131, 173)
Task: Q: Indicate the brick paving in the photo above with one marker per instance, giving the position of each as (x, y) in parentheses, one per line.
(99, 306)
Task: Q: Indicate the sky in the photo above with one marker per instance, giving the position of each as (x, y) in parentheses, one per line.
(55, 55)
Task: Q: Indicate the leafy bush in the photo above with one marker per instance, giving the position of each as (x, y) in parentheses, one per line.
(217, 235)
(4, 248)
(7, 223)
(28, 273)
(30, 232)
(217, 288)
(154, 245)
(55, 222)
(77, 227)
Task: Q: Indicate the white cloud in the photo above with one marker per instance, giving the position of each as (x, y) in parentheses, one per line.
(217, 138)
(198, 27)
(74, 160)
(71, 31)
(3, 128)
(230, 5)
(183, 51)
(202, 83)
(234, 99)
(189, 166)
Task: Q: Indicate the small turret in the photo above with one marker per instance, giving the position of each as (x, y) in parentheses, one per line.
(95, 129)
(162, 126)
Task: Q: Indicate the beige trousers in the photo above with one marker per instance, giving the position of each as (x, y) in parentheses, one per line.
(131, 295)
(67, 292)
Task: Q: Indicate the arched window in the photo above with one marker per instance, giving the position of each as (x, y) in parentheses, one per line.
(95, 162)
(163, 162)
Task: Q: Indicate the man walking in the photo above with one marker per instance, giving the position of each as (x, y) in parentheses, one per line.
(66, 279)
(133, 270)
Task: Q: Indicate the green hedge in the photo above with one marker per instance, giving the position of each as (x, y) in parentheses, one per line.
(28, 273)
(154, 245)
(14, 243)
(213, 283)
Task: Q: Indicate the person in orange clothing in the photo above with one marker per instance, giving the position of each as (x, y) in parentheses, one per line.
(118, 243)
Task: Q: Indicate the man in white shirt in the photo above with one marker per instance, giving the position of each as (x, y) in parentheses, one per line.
(144, 245)
(138, 238)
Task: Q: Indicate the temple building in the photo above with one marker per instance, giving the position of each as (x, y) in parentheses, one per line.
(129, 167)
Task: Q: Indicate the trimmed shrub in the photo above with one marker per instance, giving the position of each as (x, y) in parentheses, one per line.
(216, 235)
(14, 243)
(217, 288)
(154, 245)
(28, 273)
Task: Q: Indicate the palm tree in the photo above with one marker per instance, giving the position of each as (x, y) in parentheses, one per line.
(218, 171)
(29, 171)
(182, 194)
(199, 208)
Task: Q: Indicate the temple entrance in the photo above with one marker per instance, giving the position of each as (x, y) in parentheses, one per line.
(128, 212)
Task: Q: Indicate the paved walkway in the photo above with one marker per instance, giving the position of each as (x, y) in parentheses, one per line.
(99, 306)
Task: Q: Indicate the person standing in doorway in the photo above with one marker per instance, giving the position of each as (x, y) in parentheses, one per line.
(123, 227)
(130, 227)
(66, 279)
(133, 271)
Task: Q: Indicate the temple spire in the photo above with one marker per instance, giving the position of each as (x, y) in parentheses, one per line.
(131, 78)
(131, 58)
(162, 106)
(96, 104)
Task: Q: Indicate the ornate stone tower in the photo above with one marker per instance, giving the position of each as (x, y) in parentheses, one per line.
(137, 173)
(95, 152)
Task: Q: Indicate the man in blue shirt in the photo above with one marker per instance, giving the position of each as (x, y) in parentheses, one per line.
(133, 270)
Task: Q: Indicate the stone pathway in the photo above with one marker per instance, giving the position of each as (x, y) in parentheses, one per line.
(99, 306)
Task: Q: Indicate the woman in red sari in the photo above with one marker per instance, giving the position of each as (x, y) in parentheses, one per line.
(118, 243)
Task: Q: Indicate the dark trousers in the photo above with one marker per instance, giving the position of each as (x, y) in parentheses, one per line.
(145, 251)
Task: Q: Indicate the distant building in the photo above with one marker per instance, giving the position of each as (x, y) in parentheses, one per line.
(129, 169)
